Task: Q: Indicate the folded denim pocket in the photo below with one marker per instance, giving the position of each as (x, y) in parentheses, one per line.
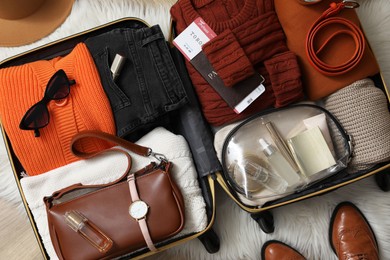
(148, 85)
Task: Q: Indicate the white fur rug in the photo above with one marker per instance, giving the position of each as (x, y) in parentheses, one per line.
(303, 225)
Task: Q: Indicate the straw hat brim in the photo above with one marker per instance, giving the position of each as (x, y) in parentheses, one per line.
(41, 23)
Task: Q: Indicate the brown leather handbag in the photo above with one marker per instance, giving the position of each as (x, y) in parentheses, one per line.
(136, 211)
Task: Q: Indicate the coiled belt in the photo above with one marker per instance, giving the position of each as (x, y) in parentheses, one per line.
(351, 29)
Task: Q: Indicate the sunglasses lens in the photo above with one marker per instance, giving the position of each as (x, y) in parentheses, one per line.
(36, 117)
(58, 86)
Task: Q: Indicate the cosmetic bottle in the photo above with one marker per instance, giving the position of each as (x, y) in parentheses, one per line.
(81, 225)
(253, 174)
(280, 165)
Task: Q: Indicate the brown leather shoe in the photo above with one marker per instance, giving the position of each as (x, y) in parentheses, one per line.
(279, 251)
(350, 235)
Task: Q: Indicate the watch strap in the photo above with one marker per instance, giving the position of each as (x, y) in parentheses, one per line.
(141, 222)
(145, 232)
(133, 188)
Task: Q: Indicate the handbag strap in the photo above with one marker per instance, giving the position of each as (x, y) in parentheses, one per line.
(138, 149)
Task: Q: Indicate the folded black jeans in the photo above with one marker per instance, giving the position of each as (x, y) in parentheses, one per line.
(148, 86)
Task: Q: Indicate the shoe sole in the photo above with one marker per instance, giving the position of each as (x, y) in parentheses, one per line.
(346, 203)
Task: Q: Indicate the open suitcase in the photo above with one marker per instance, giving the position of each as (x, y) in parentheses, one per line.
(190, 123)
(237, 144)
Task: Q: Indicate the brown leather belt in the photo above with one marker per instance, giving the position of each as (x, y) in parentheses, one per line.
(352, 30)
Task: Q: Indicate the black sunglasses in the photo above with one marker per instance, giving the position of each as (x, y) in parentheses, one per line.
(37, 116)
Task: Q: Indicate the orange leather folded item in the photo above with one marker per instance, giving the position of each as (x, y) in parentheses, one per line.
(296, 20)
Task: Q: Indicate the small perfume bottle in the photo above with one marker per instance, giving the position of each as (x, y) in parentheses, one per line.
(80, 224)
(254, 172)
(280, 164)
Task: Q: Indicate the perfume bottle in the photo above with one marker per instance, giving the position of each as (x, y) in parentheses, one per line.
(255, 174)
(280, 164)
(80, 224)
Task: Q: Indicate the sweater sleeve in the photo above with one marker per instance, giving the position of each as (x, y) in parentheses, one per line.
(228, 58)
(285, 76)
(234, 53)
(261, 37)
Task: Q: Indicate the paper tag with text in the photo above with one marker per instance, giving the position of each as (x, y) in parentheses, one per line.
(190, 41)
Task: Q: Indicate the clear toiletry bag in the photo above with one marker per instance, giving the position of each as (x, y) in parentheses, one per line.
(282, 151)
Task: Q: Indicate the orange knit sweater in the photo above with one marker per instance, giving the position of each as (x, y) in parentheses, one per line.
(86, 107)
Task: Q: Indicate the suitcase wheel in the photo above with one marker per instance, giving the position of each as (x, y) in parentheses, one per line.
(383, 180)
(265, 221)
(210, 241)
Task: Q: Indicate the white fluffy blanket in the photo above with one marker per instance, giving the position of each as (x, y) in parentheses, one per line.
(303, 225)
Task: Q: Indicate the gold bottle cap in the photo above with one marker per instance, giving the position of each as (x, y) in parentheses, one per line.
(74, 219)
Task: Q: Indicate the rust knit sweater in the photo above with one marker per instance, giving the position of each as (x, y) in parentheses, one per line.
(86, 107)
(249, 39)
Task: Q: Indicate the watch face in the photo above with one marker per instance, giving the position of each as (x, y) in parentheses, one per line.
(138, 209)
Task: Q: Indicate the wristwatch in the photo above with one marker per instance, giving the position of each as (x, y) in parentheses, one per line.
(138, 210)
